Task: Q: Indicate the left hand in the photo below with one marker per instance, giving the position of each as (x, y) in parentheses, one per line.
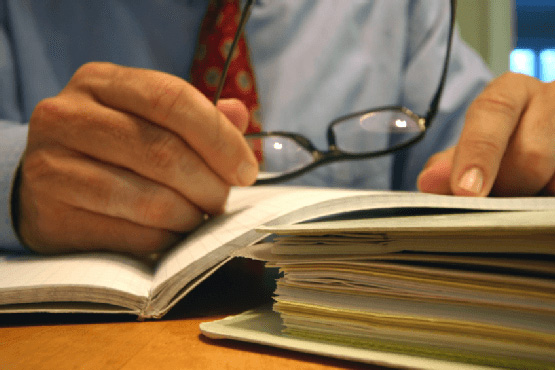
(507, 146)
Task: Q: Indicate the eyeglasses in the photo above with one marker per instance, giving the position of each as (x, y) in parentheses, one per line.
(379, 131)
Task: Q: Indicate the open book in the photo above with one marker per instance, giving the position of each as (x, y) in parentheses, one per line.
(110, 283)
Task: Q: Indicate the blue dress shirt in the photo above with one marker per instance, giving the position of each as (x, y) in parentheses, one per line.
(314, 60)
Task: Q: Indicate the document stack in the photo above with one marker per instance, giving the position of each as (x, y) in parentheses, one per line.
(474, 288)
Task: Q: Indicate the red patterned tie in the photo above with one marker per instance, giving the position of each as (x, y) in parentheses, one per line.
(215, 38)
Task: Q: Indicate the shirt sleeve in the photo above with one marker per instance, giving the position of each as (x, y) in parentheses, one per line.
(12, 143)
(13, 136)
(466, 78)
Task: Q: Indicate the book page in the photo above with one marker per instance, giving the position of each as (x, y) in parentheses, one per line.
(506, 223)
(95, 277)
(506, 231)
(249, 208)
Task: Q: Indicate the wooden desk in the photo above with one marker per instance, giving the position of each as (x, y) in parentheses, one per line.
(76, 341)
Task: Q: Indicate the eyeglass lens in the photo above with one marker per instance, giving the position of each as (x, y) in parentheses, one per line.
(375, 131)
(278, 155)
(360, 134)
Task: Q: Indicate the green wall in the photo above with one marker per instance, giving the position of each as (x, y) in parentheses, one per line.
(487, 25)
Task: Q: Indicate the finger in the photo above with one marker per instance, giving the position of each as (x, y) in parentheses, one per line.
(80, 183)
(130, 142)
(236, 112)
(529, 161)
(173, 103)
(63, 229)
(436, 175)
(490, 122)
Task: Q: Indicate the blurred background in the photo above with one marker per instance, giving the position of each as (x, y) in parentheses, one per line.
(511, 34)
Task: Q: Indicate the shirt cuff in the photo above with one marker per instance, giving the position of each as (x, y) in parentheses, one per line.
(13, 138)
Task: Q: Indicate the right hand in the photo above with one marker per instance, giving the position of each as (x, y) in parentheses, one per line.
(507, 146)
(128, 159)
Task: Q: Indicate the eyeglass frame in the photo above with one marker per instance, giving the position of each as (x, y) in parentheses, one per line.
(333, 154)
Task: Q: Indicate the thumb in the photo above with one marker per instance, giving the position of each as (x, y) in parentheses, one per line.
(436, 175)
(491, 123)
(236, 112)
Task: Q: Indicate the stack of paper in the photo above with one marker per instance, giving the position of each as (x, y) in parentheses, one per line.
(476, 288)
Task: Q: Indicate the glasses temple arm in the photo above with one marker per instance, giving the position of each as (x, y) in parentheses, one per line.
(434, 106)
(244, 16)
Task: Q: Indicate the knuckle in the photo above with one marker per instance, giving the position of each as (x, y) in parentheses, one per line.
(191, 165)
(220, 142)
(499, 104)
(163, 150)
(484, 147)
(91, 74)
(100, 189)
(218, 137)
(35, 167)
(47, 113)
(154, 210)
(58, 118)
(89, 69)
(46, 107)
(165, 97)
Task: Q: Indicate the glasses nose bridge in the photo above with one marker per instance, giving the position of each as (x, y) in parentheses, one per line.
(332, 138)
(321, 154)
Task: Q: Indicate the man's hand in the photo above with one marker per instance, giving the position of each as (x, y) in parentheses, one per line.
(127, 159)
(507, 147)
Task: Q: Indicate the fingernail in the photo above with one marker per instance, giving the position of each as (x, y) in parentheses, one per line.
(247, 172)
(472, 181)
